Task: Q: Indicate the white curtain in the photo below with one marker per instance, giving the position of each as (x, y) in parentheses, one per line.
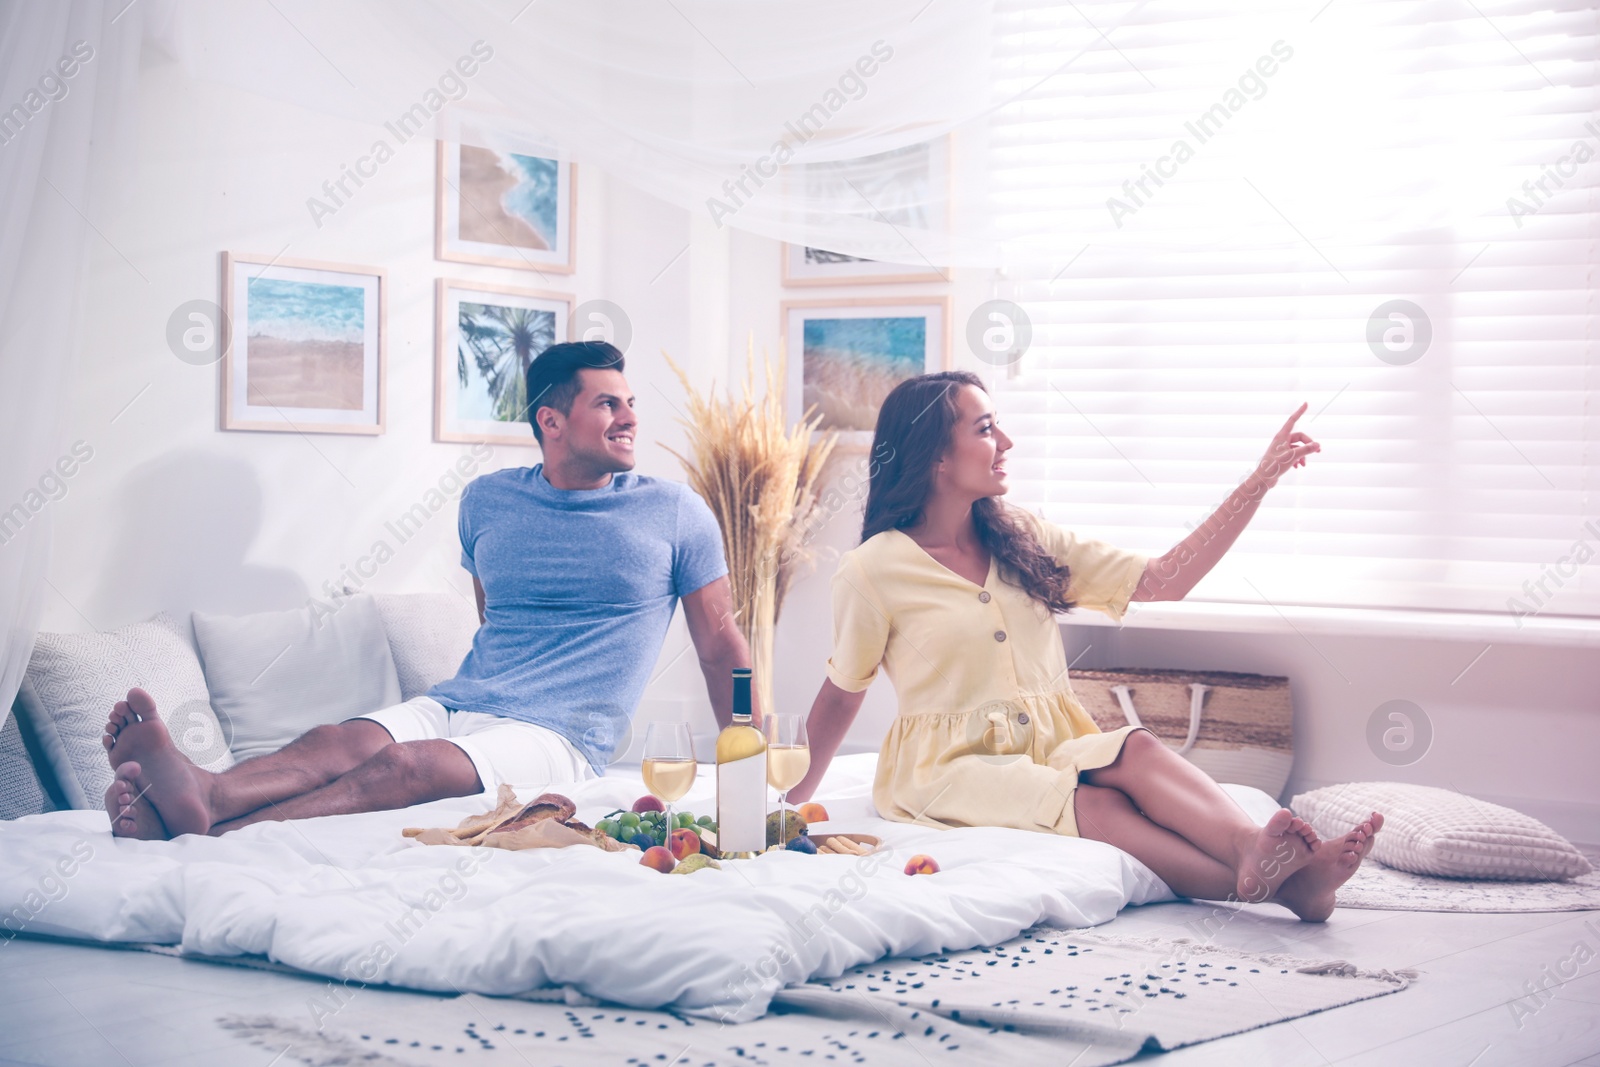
(68, 74)
(695, 101)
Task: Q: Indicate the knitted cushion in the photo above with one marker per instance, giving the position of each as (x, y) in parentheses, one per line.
(1435, 831)
(429, 635)
(74, 679)
(21, 790)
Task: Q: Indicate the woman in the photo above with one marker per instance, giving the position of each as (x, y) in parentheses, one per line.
(955, 594)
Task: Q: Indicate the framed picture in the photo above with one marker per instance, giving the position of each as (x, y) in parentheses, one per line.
(905, 186)
(804, 265)
(845, 355)
(304, 346)
(502, 209)
(484, 338)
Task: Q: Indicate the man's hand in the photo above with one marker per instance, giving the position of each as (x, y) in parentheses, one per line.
(1289, 448)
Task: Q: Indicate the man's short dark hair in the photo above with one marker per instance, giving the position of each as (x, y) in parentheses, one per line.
(553, 376)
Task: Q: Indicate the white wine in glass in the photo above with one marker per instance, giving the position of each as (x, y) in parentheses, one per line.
(788, 760)
(669, 765)
(786, 765)
(668, 779)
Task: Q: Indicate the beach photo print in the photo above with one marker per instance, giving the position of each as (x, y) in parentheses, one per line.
(503, 209)
(908, 188)
(304, 346)
(485, 338)
(845, 355)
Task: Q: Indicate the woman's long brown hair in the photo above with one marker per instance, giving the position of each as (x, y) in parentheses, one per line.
(914, 429)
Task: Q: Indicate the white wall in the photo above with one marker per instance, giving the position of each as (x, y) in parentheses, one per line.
(173, 514)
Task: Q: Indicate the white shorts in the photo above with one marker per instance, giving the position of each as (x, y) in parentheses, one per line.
(502, 750)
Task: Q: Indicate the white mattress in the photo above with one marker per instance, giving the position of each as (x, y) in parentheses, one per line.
(349, 898)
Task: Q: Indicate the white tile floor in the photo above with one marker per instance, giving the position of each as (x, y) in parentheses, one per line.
(66, 1004)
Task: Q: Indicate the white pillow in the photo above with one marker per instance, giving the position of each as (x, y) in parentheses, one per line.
(276, 674)
(73, 679)
(1428, 830)
(429, 635)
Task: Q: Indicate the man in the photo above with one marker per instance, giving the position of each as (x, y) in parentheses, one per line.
(578, 565)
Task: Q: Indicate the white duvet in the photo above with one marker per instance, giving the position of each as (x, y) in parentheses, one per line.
(348, 897)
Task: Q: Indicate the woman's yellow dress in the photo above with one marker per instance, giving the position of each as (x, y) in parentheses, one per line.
(989, 732)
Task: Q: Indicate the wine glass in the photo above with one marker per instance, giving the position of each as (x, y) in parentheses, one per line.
(788, 760)
(669, 765)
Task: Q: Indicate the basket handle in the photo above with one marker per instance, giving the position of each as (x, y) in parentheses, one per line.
(1197, 698)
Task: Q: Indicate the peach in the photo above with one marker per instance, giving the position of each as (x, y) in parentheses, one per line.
(647, 803)
(684, 843)
(813, 813)
(920, 864)
(659, 858)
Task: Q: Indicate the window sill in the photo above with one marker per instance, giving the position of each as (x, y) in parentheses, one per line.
(1561, 631)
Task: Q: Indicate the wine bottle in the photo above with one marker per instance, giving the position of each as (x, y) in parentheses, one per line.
(741, 779)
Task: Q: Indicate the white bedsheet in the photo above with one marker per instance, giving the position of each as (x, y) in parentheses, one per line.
(349, 898)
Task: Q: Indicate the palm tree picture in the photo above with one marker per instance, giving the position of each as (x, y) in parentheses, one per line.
(486, 336)
(499, 343)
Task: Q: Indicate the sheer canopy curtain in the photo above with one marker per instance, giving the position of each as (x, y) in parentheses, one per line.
(68, 73)
(1209, 214)
(1386, 210)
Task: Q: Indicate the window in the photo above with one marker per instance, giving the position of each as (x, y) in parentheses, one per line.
(1220, 210)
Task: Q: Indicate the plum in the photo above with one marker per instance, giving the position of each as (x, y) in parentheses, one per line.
(920, 864)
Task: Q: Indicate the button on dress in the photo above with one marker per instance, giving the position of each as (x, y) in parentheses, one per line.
(989, 732)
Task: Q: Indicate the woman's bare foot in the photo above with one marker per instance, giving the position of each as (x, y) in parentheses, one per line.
(1310, 892)
(1278, 850)
(166, 779)
(131, 814)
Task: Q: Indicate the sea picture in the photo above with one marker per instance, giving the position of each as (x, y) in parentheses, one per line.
(504, 208)
(853, 352)
(305, 346)
(487, 337)
(305, 343)
(851, 364)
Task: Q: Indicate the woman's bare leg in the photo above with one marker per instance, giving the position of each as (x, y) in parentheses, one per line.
(1179, 796)
(1106, 814)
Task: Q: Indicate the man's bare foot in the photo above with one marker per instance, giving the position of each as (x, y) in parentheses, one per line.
(131, 814)
(122, 714)
(166, 778)
(1278, 850)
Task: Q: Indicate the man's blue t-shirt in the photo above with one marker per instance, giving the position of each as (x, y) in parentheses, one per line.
(579, 587)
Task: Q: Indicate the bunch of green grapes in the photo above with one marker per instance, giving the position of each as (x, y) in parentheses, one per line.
(649, 828)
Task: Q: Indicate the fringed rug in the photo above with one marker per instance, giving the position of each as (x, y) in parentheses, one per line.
(1047, 997)
(1381, 888)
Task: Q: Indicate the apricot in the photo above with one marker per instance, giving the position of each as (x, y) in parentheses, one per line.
(920, 864)
(684, 843)
(648, 803)
(659, 858)
(813, 813)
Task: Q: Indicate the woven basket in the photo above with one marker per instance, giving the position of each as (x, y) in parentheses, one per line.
(1236, 727)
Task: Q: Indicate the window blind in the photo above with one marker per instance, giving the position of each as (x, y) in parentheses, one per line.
(1338, 159)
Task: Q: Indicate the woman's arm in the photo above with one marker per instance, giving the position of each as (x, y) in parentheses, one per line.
(1172, 576)
(831, 715)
